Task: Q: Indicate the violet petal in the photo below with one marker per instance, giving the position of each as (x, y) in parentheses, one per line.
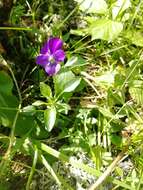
(42, 60)
(52, 69)
(54, 44)
(59, 55)
(45, 48)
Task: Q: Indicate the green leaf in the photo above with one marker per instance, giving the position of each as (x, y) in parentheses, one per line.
(39, 103)
(105, 29)
(136, 91)
(115, 97)
(61, 80)
(93, 6)
(62, 107)
(26, 124)
(115, 139)
(79, 32)
(120, 7)
(106, 112)
(8, 108)
(6, 83)
(45, 90)
(136, 37)
(77, 61)
(71, 85)
(50, 118)
(119, 80)
(29, 110)
(8, 102)
(106, 78)
(71, 61)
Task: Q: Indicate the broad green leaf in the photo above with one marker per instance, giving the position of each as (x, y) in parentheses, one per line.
(71, 61)
(116, 139)
(106, 112)
(39, 103)
(136, 91)
(136, 37)
(50, 118)
(119, 7)
(71, 85)
(62, 107)
(6, 83)
(119, 80)
(115, 97)
(61, 80)
(45, 90)
(26, 124)
(29, 110)
(105, 29)
(8, 108)
(93, 6)
(79, 32)
(76, 61)
(5, 120)
(106, 78)
(4, 185)
(116, 127)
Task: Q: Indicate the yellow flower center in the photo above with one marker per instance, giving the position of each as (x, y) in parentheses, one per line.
(51, 59)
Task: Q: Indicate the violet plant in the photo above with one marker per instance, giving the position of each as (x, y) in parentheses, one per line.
(51, 55)
(65, 82)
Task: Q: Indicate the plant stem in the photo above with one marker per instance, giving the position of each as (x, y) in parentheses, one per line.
(32, 169)
(102, 178)
(7, 156)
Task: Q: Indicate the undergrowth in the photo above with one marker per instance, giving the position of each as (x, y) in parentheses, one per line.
(81, 126)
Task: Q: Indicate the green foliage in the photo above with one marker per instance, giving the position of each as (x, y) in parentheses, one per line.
(135, 37)
(119, 7)
(8, 102)
(16, 14)
(136, 91)
(105, 29)
(50, 118)
(62, 80)
(5, 83)
(93, 6)
(91, 107)
(45, 90)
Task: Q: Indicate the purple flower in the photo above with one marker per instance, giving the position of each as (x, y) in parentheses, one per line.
(51, 55)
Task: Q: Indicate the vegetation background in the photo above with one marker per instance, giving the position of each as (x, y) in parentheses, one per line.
(82, 128)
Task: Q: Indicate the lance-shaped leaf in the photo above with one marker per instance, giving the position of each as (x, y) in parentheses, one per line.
(71, 61)
(45, 90)
(50, 118)
(71, 85)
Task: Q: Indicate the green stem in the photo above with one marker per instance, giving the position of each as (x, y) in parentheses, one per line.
(7, 156)
(71, 13)
(12, 135)
(107, 172)
(15, 82)
(15, 28)
(140, 180)
(135, 13)
(32, 169)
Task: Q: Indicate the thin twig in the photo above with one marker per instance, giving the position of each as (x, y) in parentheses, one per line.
(102, 178)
